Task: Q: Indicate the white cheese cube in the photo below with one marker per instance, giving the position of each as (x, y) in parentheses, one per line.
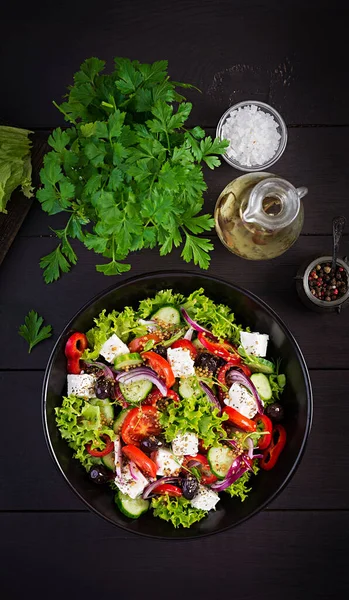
(242, 400)
(128, 485)
(255, 343)
(167, 463)
(112, 348)
(185, 444)
(181, 362)
(81, 385)
(205, 499)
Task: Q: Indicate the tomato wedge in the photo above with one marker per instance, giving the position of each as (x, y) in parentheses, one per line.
(239, 420)
(186, 345)
(207, 476)
(143, 462)
(137, 345)
(155, 395)
(167, 488)
(109, 447)
(161, 366)
(139, 424)
(224, 349)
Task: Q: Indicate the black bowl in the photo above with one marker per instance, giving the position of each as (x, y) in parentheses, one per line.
(297, 400)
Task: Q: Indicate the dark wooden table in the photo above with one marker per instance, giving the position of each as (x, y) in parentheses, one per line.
(293, 55)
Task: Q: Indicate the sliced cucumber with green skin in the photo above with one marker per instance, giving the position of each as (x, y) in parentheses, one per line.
(136, 392)
(262, 365)
(130, 507)
(220, 459)
(120, 419)
(262, 385)
(109, 461)
(107, 408)
(198, 344)
(167, 314)
(132, 359)
(188, 388)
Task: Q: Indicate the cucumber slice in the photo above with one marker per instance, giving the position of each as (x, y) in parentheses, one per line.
(188, 387)
(262, 365)
(136, 392)
(167, 314)
(130, 507)
(132, 359)
(120, 419)
(109, 461)
(198, 344)
(262, 385)
(220, 459)
(107, 408)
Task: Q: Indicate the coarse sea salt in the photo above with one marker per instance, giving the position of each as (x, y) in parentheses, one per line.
(253, 136)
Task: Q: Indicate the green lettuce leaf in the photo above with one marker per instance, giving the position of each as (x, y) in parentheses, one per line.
(218, 318)
(149, 306)
(79, 424)
(121, 323)
(196, 415)
(177, 510)
(277, 383)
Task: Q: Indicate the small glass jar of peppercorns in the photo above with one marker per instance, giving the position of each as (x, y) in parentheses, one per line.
(323, 288)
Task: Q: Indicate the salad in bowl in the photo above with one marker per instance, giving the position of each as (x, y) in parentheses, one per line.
(172, 404)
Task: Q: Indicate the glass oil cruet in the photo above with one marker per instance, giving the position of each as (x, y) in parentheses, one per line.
(259, 215)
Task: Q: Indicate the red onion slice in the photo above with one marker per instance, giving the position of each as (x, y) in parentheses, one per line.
(189, 334)
(152, 486)
(240, 377)
(235, 472)
(133, 470)
(106, 370)
(212, 398)
(142, 373)
(118, 457)
(250, 447)
(195, 325)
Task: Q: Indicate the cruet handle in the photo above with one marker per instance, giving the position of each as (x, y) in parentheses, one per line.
(301, 191)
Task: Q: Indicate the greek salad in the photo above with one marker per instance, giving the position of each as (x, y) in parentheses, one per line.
(172, 404)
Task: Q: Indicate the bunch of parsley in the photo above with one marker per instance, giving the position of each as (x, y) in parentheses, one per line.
(127, 172)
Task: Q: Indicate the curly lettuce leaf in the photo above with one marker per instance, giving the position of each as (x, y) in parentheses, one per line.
(80, 423)
(195, 415)
(218, 318)
(239, 489)
(277, 384)
(121, 323)
(177, 510)
(149, 306)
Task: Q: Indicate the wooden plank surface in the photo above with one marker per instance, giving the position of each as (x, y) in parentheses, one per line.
(318, 484)
(274, 555)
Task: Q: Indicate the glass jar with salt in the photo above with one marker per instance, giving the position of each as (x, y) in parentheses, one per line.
(259, 215)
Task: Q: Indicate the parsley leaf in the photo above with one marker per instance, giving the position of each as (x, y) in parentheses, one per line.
(53, 264)
(32, 330)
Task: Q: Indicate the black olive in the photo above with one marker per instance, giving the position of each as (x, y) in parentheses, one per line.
(103, 388)
(151, 443)
(161, 350)
(190, 486)
(275, 412)
(208, 362)
(92, 369)
(99, 474)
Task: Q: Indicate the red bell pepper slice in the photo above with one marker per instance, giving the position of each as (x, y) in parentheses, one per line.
(161, 366)
(109, 447)
(264, 440)
(155, 395)
(207, 476)
(143, 462)
(167, 488)
(239, 420)
(186, 345)
(74, 348)
(224, 349)
(271, 454)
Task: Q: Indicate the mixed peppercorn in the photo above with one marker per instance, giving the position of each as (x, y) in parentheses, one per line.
(328, 284)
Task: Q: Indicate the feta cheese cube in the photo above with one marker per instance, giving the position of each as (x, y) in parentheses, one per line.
(130, 486)
(185, 444)
(242, 400)
(255, 343)
(112, 348)
(181, 362)
(167, 463)
(81, 385)
(205, 499)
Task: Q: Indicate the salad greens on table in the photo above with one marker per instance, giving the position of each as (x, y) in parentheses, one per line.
(33, 331)
(128, 171)
(171, 404)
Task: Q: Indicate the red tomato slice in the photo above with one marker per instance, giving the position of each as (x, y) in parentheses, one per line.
(139, 424)
(186, 345)
(207, 476)
(161, 366)
(143, 462)
(137, 345)
(155, 395)
(167, 488)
